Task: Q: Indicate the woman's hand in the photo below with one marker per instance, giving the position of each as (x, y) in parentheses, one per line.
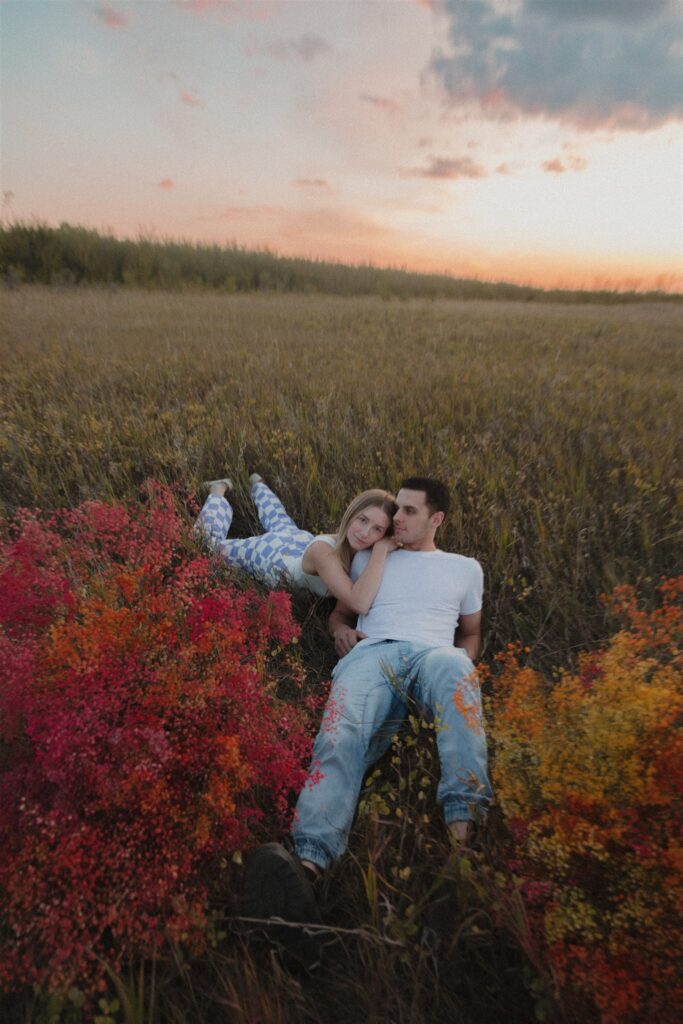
(320, 559)
(388, 543)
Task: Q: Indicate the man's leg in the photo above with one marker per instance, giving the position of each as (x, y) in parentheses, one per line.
(278, 897)
(361, 702)
(446, 688)
(363, 706)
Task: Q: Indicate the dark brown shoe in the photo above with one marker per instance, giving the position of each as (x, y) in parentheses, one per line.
(278, 893)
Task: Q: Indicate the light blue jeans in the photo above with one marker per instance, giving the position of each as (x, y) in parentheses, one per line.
(368, 701)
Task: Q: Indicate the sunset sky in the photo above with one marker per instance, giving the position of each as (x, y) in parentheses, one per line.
(535, 141)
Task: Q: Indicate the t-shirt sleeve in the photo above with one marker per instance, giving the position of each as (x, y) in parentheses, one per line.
(360, 561)
(473, 598)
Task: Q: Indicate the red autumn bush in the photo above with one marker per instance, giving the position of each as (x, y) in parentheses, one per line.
(141, 736)
(589, 773)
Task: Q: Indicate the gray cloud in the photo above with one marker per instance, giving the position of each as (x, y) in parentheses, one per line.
(309, 46)
(599, 10)
(592, 63)
(452, 169)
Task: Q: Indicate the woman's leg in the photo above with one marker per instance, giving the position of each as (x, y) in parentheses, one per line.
(256, 555)
(271, 512)
(214, 520)
(265, 556)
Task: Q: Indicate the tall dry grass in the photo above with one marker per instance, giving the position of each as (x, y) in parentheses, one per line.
(33, 252)
(557, 428)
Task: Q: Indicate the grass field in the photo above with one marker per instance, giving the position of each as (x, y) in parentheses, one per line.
(558, 429)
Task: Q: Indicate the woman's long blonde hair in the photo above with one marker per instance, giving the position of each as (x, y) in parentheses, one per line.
(374, 498)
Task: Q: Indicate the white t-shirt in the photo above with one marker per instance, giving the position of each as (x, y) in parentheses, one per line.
(421, 597)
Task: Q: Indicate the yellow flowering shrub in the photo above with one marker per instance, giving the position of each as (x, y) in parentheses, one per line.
(588, 772)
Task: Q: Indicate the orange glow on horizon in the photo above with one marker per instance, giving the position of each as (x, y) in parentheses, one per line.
(354, 133)
(374, 246)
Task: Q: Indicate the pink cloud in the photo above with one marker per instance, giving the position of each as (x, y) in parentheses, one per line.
(190, 99)
(381, 102)
(573, 163)
(311, 183)
(451, 169)
(230, 12)
(111, 18)
(167, 183)
(199, 6)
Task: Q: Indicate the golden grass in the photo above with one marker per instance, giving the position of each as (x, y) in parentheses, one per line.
(557, 427)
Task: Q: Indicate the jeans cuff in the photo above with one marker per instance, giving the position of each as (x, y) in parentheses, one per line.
(461, 810)
(309, 849)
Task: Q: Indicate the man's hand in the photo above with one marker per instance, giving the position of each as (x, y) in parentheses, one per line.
(345, 639)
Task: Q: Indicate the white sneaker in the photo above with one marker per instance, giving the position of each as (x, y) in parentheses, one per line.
(226, 482)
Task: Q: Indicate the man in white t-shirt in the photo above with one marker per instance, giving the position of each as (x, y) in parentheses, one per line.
(417, 644)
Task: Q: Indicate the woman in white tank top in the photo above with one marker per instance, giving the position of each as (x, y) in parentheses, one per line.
(319, 564)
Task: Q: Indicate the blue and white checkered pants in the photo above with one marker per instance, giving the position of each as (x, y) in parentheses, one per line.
(262, 556)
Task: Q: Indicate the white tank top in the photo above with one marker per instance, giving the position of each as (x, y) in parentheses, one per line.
(304, 580)
(421, 597)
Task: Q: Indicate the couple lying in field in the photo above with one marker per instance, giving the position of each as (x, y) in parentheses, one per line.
(406, 627)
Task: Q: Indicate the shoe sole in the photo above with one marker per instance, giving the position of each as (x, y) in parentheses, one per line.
(224, 480)
(277, 890)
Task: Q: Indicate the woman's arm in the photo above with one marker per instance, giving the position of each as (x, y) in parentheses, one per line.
(323, 561)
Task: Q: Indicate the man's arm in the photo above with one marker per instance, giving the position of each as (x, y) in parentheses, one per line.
(342, 628)
(468, 634)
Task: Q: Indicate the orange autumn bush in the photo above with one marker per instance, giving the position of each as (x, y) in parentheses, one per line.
(589, 773)
(142, 739)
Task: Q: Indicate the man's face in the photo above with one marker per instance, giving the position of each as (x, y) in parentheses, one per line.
(414, 525)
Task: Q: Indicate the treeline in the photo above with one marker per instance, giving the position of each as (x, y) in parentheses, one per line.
(35, 253)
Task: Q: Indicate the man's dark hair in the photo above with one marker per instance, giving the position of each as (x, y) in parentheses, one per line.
(437, 494)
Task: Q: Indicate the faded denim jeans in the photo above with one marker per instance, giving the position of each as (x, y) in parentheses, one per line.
(372, 686)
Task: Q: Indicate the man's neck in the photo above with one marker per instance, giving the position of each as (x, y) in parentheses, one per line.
(425, 546)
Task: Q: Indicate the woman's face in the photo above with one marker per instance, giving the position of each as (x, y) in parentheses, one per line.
(369, 526)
